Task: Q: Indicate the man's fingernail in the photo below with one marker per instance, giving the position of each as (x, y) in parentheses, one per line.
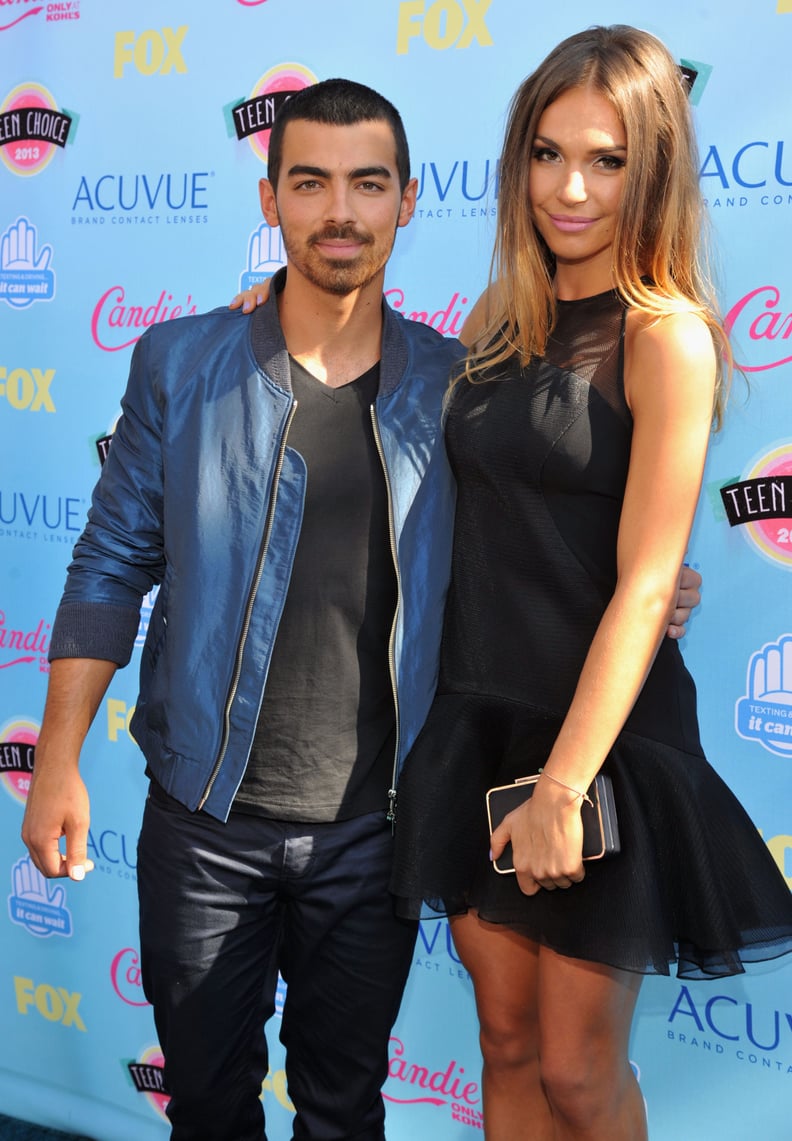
(77, 872)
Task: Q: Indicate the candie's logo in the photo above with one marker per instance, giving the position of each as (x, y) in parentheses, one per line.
(31, 128)
(62, 10)
(20, 10)
(252, 118)
(125, 976)
(117, 323)
(761, 504)
(23, 646)
(52, 12)
(760, 316)
(412, 1083)
(447, 320)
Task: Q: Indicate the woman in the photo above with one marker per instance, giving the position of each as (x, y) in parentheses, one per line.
(578, 434)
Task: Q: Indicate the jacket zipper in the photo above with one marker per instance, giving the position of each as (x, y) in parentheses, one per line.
(249, 611)
(391, 813)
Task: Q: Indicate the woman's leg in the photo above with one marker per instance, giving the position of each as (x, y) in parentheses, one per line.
(586, 1011)
(504, 967)
(554, 1037)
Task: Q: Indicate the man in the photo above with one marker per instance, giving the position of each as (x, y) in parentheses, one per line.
(304, 493)
(284, 479)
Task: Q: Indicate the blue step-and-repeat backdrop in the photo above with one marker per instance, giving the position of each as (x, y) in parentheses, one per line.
(131, 143)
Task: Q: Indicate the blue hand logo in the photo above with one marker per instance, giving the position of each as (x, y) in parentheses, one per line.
(266, 255)
(36, 903)
(765, 713)
(25, 275)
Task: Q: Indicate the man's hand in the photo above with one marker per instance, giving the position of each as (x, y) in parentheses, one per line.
(57, 806)
(57, 801)
(687, 599)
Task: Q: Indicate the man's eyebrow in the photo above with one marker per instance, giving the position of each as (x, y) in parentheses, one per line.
(315, 171)
(320, 172)
(371, 171)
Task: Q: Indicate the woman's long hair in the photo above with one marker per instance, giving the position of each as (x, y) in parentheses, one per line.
(660, 264)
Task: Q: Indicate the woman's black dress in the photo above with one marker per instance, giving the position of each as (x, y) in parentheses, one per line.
(540, 457)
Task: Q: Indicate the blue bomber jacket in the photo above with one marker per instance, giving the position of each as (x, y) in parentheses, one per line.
(201, 494)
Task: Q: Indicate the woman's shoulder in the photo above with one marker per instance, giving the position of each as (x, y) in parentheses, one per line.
(679, 329)
(667, 350)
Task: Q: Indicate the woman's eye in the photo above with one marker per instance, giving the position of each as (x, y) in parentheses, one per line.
(611, 162)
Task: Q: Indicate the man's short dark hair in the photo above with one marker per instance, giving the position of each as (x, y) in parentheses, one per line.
(338, 103)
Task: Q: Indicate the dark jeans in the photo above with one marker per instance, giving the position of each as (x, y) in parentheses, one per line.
(222, 908)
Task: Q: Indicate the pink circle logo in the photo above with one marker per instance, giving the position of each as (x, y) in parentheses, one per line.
(152, 1061)
(26, 155)
(17, 742)
(284, 77)
(772, 536)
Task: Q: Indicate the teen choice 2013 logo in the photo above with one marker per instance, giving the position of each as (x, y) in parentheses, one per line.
(31, 129)
(253, 117)
(761, 504)
(17, 747)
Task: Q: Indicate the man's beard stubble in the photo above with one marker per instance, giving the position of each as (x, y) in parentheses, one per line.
(340, 276)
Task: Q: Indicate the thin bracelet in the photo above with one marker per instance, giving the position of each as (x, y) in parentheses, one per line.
(583, 795)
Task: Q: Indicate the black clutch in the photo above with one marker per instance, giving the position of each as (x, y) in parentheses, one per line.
(600, 826)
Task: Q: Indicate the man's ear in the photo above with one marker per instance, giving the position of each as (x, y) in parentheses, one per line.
(409, 198)
(269, 205)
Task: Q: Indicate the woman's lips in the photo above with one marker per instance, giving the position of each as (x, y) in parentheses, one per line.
(569, 224)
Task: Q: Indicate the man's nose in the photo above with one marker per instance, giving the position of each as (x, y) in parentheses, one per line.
(339, 206)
